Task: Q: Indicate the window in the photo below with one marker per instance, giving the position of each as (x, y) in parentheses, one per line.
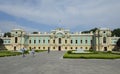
(38, 47)
(81, 47)
(71, 41)
(8, 41)
(34, 47)
(29, 47)
(71, 48)
(53, 47)
(34, 41)
(43, 41)
(43, 47)
(65, 41)
(16, 39)
(4, 41)
(16, 32)
(91, 41)
(86, 41)
(104, 39)
(81, 41)
(39, 41)
(48, 41)
(53, 41)
(76, 41)
(85, 47)
(29, 41)
(65, 47)
(76, 48)
(59, 40)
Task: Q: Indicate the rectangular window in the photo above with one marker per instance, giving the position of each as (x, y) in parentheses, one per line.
(71, 41)
(53, 41)
(81, 41)
(43, 47)
(76, 48)
(39, 41)
(30, 41)
(76, 41)
(43, 41)
(86, 41)
(48, 41)
(91, 41)
(39, 48)
(8, 41)
(16, 39)
(29, 47)
(65, 41)
(65, 47)
(34, 41)
(53, 47)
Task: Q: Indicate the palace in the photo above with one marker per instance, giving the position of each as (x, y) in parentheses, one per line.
(61, 39)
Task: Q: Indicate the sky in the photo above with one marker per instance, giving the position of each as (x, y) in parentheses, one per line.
(46, 15)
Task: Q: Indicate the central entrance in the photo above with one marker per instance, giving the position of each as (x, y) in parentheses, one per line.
(59, 48)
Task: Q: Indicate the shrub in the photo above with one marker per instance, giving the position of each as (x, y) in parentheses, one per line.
(69, 52)
(109, 52)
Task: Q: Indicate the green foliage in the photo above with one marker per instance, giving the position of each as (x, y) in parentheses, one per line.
(9, 53)
(109, 51)
(116, 32)
(7, 34)
(93, 30)
(35, 32)
(39, 50)
(69, 52)
(118, 42)
(98, 55)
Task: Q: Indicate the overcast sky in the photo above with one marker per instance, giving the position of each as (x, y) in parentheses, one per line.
(45, 15)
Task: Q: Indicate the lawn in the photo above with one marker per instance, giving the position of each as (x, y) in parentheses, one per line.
(13, 53)
(93, 55)
(8, 53)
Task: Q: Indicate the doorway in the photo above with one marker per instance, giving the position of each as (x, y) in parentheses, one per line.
(59, 48)
(105, 48)
(14, 48)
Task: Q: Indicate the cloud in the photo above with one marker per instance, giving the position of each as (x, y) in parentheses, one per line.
(70, 12)
(7, 26)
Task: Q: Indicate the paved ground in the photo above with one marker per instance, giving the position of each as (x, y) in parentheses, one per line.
(44, 63)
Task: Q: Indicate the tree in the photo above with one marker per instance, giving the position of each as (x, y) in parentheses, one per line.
(35, 32)
(118, 42)
(116, 32)
(7, 34)
(93, 30)
(117, 46)
(2, 46)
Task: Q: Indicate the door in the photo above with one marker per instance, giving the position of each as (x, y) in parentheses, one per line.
(105, 48)
(59, 48)
(14, 48)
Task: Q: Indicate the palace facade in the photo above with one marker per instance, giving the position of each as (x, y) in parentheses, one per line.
(61, 39)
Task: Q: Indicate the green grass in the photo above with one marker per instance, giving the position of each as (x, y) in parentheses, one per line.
(12, 53)
(40, 50)
(94, 55)
(8, 53)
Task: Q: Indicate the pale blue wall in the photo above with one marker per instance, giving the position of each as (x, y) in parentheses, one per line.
(37, 40)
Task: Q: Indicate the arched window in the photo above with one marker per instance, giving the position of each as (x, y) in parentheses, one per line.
(59, 40)
(104, 39)
(15, 39)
